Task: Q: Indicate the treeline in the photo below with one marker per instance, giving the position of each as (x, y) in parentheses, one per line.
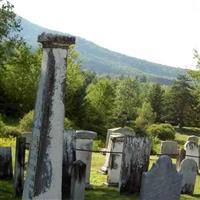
(92, 102)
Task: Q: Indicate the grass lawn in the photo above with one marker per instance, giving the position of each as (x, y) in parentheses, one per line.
(99, 191)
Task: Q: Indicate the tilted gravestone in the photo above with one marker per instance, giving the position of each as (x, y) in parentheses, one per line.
(78, 180)
(6, 163)
(84, 142)
(135, 161)
(169, 148)
(44, 175)
(113, 132)
(69, 156)
(188, 169)
(162, 182)
(192, 151)
(114, 167)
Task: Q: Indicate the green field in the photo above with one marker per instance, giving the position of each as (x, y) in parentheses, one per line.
(100, 190)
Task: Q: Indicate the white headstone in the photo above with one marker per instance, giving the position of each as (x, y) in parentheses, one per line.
(115, 160)
(84, 141)
(192, 151)
(44, 174)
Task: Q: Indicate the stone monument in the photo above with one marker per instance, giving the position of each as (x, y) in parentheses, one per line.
(44, 175)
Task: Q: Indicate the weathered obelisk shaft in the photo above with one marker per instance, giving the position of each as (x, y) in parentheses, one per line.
(44, 177)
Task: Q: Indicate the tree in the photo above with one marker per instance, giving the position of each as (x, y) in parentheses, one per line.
(76, 85)
(98, 102)
(156, 100)
(126, 102)
(19, 80)
(9, 28)
(180, 101)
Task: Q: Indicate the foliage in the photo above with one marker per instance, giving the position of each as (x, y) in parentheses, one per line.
(26, 123)
(10, 131)
(98, 105)
(180, 102)
(68, 123)
(156, 100)
(126, 102)
(161, 131)
(10, 26)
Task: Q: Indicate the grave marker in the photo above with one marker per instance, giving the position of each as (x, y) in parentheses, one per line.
(44, 175)
(162, 182)
(188, 169)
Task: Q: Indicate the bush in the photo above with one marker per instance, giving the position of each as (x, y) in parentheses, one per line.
(10, 131)
(68, 123)
(161, 131)
(26, 123)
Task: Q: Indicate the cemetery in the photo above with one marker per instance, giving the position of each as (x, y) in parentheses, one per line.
(55, 163)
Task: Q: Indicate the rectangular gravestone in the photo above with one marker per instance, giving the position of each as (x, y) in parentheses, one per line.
(114, 167)
(44, 174)
(162, 182)
(169, 148)
(113, 132)
(19, 166)
(135, 161)
(78, 180)
(69, 156)
(84, 142)
(6, 163)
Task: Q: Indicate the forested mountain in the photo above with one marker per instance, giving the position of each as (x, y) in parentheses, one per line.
(106, 62)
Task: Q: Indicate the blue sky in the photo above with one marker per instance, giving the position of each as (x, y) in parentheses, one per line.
(162, 31)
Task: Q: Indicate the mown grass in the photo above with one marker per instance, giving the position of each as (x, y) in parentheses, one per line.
(100, 191)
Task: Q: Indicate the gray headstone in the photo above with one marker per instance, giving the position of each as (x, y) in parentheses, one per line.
(78, 181)
(44, 174)
(162, 182)
(169, 148)
(188, 169)
(69, 156)
(19, 166)
(6, 163)
(135, 161)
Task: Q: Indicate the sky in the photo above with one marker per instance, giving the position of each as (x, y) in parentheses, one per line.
(162, 31)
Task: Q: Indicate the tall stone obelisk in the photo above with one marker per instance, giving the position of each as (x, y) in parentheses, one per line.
(44, 175)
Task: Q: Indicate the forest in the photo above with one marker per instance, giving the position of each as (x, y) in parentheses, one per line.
(92, 102)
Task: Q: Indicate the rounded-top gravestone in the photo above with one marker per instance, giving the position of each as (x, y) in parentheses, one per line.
(188, 169)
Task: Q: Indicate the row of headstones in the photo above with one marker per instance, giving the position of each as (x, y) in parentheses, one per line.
(191, 150)
(76, 163)
(115, 160)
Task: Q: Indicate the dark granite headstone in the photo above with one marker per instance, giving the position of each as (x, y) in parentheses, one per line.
(162, 182)
(135, 161)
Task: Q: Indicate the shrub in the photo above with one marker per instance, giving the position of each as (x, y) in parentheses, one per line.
(26, 123)
(68, 123)
(10, 131)
(161, 131)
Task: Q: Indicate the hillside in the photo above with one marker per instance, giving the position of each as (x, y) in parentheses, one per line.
(106, 62)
